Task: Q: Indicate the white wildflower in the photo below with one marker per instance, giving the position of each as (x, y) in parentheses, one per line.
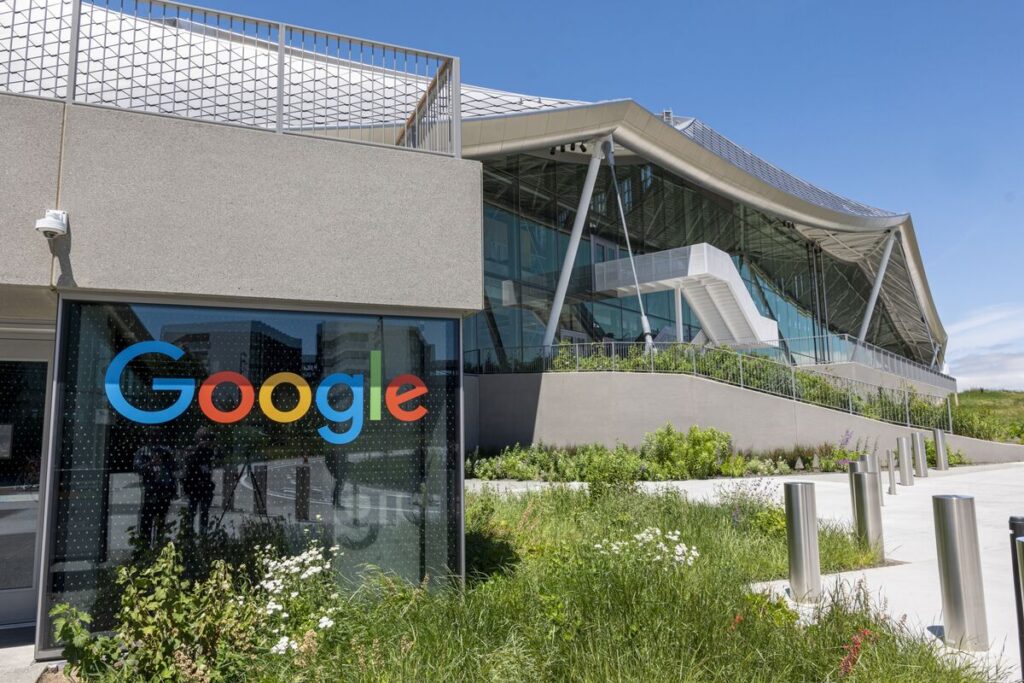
(281, 646)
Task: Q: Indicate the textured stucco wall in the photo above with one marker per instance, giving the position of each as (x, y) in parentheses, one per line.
(30, 132)
(573, 408)
(171, 206)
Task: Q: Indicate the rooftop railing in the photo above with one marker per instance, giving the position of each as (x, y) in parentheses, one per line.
(842, 348)
(903, 405)
(175, 59)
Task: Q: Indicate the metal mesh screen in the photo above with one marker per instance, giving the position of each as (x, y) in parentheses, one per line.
(34, 46)
(178, 60)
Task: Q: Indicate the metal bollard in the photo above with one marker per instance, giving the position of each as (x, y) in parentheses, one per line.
(920, 456)
(854, 467)
(871, 460)
(1017, 555)
(892, 472)
(903, 453)
(941, 461)
(868, 503)
(963, 595)
(802, 542)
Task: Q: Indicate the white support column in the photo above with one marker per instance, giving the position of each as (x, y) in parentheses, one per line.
(574, 243)
(679, 313)
(877, 287)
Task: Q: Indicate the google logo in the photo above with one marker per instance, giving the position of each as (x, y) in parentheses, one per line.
(400, 391)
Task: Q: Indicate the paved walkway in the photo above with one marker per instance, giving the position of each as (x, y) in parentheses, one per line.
(16, 652)
(911, 587)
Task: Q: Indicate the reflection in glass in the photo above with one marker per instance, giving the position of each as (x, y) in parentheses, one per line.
(388, 498)
(527, 203)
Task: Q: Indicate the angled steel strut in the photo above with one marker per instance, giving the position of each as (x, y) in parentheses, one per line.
(574, 245)
(609, 154)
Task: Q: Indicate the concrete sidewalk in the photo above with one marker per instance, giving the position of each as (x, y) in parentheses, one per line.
(911, 587)
(16, 656)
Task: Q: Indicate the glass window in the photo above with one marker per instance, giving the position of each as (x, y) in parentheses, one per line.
(226, 429)
(22, 405)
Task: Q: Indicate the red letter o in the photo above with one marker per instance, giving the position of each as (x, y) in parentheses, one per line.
(226, 416)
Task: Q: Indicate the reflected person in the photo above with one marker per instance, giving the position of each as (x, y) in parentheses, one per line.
(156, 467)
(197, 482)
(337, 466)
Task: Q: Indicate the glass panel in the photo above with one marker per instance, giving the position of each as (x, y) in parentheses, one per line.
(528, 206)
(236, 428)
(22, 406)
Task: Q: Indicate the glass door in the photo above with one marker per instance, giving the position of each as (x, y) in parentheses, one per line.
(24, 368)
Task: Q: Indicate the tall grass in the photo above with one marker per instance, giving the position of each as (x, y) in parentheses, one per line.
(549, 599)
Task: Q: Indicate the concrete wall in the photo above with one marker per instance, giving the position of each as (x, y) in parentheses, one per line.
(608, 407)
(30, 134)
(172, 206)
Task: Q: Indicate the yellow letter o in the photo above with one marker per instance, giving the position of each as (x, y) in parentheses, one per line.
(267, 397)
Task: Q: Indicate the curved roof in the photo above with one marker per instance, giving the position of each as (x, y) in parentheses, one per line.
(713, 141)
(847, 229)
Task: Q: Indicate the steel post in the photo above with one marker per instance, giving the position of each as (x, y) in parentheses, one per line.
(868, 503)
(1017, 557)
(903, 454)
(920, 456)
(941, 461)
(871, 460)
(76, 29)
(802, 542)
(963, 595)
(892, 472)
(853, 468)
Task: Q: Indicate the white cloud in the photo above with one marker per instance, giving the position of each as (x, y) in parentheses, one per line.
(986, 348)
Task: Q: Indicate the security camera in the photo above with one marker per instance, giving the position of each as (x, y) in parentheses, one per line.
(54, 224)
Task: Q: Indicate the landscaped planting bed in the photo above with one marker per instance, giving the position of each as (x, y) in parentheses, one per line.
(609, 584)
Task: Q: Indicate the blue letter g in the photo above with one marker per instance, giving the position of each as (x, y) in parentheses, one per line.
(185, 387)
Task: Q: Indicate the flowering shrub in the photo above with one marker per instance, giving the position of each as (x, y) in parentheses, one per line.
(173, 629)
(652, 546)
(288, 595)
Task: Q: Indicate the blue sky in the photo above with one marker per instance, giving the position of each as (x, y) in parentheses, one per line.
(911, 106)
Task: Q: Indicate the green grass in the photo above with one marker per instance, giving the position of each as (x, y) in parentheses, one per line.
(1004, 409)
(544, 604)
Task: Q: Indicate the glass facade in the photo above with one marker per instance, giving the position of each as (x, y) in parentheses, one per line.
(529, 207)
(224, 429)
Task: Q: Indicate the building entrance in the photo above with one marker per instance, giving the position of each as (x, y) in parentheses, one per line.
(24, 366)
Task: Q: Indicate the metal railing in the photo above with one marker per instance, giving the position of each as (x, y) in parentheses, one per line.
(842, 348)
(903, 406)
(175, 59)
